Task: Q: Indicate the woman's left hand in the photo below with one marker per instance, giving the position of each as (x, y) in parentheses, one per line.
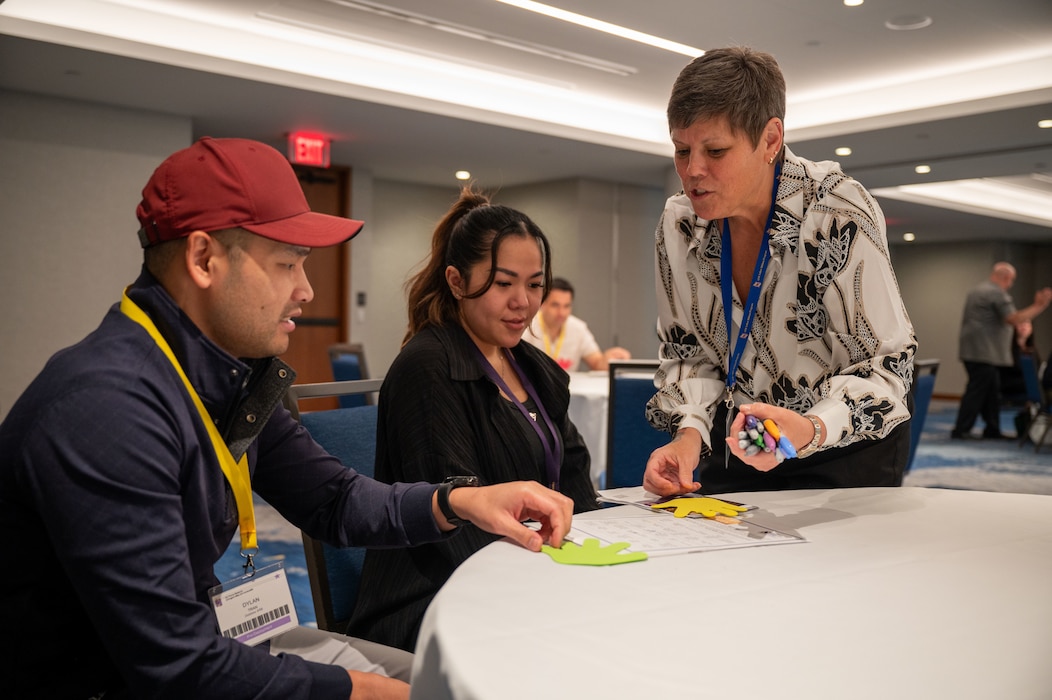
(798, 429)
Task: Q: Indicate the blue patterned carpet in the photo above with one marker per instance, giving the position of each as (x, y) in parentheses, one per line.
(973, 465)
(978, 465)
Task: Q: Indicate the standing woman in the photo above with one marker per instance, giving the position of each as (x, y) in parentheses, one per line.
(776, 298)
(464, 398)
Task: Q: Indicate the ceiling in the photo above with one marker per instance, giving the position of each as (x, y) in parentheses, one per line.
(412, 90)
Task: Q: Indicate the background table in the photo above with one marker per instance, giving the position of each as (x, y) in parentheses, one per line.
(589, 394)
(904, 593)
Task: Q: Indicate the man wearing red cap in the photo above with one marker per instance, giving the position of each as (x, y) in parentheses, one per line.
(126, 466)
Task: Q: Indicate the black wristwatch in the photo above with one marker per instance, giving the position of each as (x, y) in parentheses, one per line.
(448, 484)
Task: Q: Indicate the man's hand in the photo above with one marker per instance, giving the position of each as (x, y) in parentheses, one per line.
(502, 508)
(601, 360)
(670, 469)
(372, 686)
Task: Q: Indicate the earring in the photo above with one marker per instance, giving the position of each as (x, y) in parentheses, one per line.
(771, 161)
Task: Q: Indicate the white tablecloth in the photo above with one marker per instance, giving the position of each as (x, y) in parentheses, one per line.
(898, 593)
(589, 392)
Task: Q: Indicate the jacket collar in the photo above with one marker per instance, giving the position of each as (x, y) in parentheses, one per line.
(239, 395)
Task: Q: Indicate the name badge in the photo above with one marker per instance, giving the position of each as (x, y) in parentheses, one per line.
(255, 607)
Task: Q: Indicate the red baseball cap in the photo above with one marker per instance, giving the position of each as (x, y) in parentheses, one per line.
(217, 184)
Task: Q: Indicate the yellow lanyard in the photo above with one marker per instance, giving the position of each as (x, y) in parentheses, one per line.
(547, 344)
(236, 472)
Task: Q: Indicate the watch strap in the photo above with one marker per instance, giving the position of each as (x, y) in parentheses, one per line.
(444, 489)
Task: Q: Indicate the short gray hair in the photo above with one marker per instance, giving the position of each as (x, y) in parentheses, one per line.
(745, 86)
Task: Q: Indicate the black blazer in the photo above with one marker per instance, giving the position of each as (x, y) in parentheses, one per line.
(439, 415)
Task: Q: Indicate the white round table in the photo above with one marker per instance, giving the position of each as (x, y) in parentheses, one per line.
(897, 593)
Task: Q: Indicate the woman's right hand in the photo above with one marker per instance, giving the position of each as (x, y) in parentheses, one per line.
(670, 469)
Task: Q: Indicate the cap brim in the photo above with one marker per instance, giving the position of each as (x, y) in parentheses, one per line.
(309, 229)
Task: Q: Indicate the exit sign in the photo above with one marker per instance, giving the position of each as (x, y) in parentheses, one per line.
(309, 149)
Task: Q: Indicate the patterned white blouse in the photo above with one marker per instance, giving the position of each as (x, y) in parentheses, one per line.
(831, 336)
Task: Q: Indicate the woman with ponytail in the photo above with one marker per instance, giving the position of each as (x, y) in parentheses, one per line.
(466, 401)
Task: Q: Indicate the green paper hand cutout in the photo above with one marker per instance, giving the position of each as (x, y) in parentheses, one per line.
(591, 554)
(708, 507)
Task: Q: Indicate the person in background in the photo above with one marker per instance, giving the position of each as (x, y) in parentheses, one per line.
(776, 299)
(985, 345)
(466, 400)
(564, 337)
(127, 465)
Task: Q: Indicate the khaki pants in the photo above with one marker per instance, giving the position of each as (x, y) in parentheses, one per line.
(347, 652)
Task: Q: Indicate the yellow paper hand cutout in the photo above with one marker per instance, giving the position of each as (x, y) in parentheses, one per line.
(708, 507)
(591, 554)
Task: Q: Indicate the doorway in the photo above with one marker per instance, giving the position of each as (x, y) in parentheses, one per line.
(324, 320)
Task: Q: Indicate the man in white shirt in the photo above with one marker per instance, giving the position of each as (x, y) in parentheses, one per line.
(566, 338)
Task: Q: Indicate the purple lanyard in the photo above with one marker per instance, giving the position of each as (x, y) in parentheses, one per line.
(759, 272)
(553, 449)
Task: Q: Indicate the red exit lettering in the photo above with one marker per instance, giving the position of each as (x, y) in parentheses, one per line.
(309, 149)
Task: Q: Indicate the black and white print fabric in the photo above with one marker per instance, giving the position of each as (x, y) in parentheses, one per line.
(831, 336)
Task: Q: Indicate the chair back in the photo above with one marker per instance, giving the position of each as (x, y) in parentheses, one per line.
(1028, 367)
(630, 438)
(924, 372)
(350, 435)
(1039, 427)
(348, 364)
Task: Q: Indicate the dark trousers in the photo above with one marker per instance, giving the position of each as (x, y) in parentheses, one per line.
(982, 397)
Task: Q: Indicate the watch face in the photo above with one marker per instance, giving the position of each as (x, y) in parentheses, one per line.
(461, 480)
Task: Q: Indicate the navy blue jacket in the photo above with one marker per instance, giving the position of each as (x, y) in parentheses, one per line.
(113, 511)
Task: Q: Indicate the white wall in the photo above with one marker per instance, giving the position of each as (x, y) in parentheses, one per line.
(70, 178)
(602, 237)
(402, 218)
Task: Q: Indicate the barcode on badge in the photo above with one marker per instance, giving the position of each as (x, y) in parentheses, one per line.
(258, 621)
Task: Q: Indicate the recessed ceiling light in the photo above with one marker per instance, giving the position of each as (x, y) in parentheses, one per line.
(463, 175)
(843, 151)
(908, 236)
(1045, 124)
(922, 169)
(905, 23)
(853, 3)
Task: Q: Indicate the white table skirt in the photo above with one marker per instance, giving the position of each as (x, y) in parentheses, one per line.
(898, 593)
(589, 394)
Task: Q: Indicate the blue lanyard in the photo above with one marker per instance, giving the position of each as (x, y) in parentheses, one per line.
(753, 299)
(553, 449)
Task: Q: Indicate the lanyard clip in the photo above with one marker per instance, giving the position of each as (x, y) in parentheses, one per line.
(250, 564)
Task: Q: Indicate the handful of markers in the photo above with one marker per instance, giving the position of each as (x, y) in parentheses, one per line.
(764, 436)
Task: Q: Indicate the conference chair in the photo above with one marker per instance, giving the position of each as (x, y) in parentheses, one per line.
(630, 439)
(350, 435)
(1037, 405)
(924, 372)
(348, 364)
